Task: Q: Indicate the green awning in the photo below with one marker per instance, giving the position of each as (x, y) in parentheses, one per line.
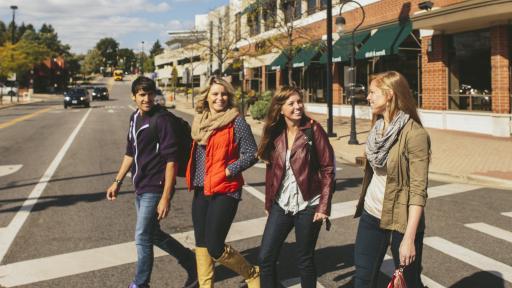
(341, 48)
(386, 41)
(279, 62)
(304, 56)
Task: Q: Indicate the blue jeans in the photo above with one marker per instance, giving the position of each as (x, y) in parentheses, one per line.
(277, 229)
(370, 249)
(148, 233)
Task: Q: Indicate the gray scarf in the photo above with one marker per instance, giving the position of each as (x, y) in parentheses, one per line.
(377, 146)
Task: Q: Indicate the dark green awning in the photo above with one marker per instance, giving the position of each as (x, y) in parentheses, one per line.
(305, 55)
(341, 48)
(279, 62)
(386, 41)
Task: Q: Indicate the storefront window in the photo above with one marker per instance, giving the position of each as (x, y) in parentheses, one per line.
(470, 71)
(314, 83)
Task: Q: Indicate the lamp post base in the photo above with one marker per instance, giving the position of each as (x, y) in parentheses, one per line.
(332, 135)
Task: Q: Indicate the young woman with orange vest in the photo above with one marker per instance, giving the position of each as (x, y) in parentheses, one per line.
(223, 147)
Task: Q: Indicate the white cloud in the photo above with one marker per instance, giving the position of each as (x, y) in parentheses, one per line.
(82, 23)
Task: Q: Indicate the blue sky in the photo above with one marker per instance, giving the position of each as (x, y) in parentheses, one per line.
(81, 23)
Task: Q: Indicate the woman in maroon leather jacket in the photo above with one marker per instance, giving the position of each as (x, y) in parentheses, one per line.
(299, 184)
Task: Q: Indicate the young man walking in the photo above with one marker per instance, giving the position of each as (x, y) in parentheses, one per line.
(153, 167)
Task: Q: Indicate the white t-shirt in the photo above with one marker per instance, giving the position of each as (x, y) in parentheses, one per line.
(374, 198)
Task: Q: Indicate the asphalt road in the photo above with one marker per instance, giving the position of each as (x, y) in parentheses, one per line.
(59, 231)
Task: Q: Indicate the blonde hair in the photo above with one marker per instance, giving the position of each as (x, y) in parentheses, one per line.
(395, 83)
(202, 101)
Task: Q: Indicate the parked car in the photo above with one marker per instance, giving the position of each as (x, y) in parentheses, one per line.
(359, 95)
(77, 97)
(8, 89)
(100, 93)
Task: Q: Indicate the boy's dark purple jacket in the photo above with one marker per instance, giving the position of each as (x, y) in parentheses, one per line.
(150, 158)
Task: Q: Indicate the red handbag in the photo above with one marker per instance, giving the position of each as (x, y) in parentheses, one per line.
(397, 280)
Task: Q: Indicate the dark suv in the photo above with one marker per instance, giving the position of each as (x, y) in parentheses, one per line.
(100, 93)
(77, 97)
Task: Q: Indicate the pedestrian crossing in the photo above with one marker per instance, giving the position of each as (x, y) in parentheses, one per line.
(57, 266)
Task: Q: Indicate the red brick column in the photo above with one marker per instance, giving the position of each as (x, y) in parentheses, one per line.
(434, 73)
(500, 70)
(279, 79)
(337, 87)
(263, 78)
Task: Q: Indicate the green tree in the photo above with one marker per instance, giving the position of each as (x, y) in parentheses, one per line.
(21, 57)
(127, 59)
(156, 49)
(50, 39)
(108, 48)
(92, 62)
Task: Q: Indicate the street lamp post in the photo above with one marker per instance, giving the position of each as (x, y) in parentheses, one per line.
(340, 23)
(13, 7)
(142, 58)
(328, 79)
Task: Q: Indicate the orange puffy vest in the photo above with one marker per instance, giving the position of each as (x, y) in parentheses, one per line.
(221, 151)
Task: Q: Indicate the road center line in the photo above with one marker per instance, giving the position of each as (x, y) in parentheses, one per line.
(23, 118)
(8, 234)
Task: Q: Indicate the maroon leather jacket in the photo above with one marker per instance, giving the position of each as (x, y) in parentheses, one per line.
(311, 181)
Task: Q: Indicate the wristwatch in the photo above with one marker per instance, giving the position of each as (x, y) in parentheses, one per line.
(118, 181)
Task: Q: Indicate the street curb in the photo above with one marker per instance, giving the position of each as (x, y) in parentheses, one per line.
(17, 104)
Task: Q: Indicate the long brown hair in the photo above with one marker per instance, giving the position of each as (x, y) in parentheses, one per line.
(274, 121)
(392, 81)
(202, 101)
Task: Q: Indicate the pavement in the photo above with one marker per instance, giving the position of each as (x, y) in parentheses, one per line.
(36, 97)
(457, 157)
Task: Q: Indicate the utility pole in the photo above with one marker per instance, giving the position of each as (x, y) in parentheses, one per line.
(13, 7)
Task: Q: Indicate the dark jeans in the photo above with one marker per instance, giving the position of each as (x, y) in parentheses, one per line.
(277, 229)
(370, 249)
(148, 233)
(212, 217)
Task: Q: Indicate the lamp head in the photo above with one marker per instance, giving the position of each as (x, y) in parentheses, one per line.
(340, 24)
(426, 5)
(14, 7)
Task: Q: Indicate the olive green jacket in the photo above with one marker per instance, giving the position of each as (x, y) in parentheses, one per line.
(407, 178)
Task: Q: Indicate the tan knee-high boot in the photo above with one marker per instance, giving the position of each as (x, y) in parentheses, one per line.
(205, 268)
(236, 262)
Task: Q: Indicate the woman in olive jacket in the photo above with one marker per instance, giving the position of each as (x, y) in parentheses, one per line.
(298, 184)
(394, 185)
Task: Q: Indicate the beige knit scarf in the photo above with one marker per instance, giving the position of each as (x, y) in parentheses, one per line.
(206, 123)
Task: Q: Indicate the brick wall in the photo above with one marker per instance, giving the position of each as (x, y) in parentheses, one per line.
(500, 70)
(434, 74)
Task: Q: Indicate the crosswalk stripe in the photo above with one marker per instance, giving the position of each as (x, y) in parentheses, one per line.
(508, 214)
(491, 230)
(450, 189)
(470, 257)
(37, 270)
(388, 268)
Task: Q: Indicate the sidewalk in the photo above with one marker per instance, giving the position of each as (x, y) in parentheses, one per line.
(456, 156)
(37, 97)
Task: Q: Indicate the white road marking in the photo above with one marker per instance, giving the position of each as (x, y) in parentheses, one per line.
(42, 269)
(8, 234)
(450, 189)
(508, 214)
(388, 268)
(254, 192)
(9, 169)
(110, 111)
(470, 257)
(131, 107)
(491, 230)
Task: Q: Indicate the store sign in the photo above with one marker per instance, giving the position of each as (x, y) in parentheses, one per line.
(336, 59)
(375, 53)
(301, 64)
